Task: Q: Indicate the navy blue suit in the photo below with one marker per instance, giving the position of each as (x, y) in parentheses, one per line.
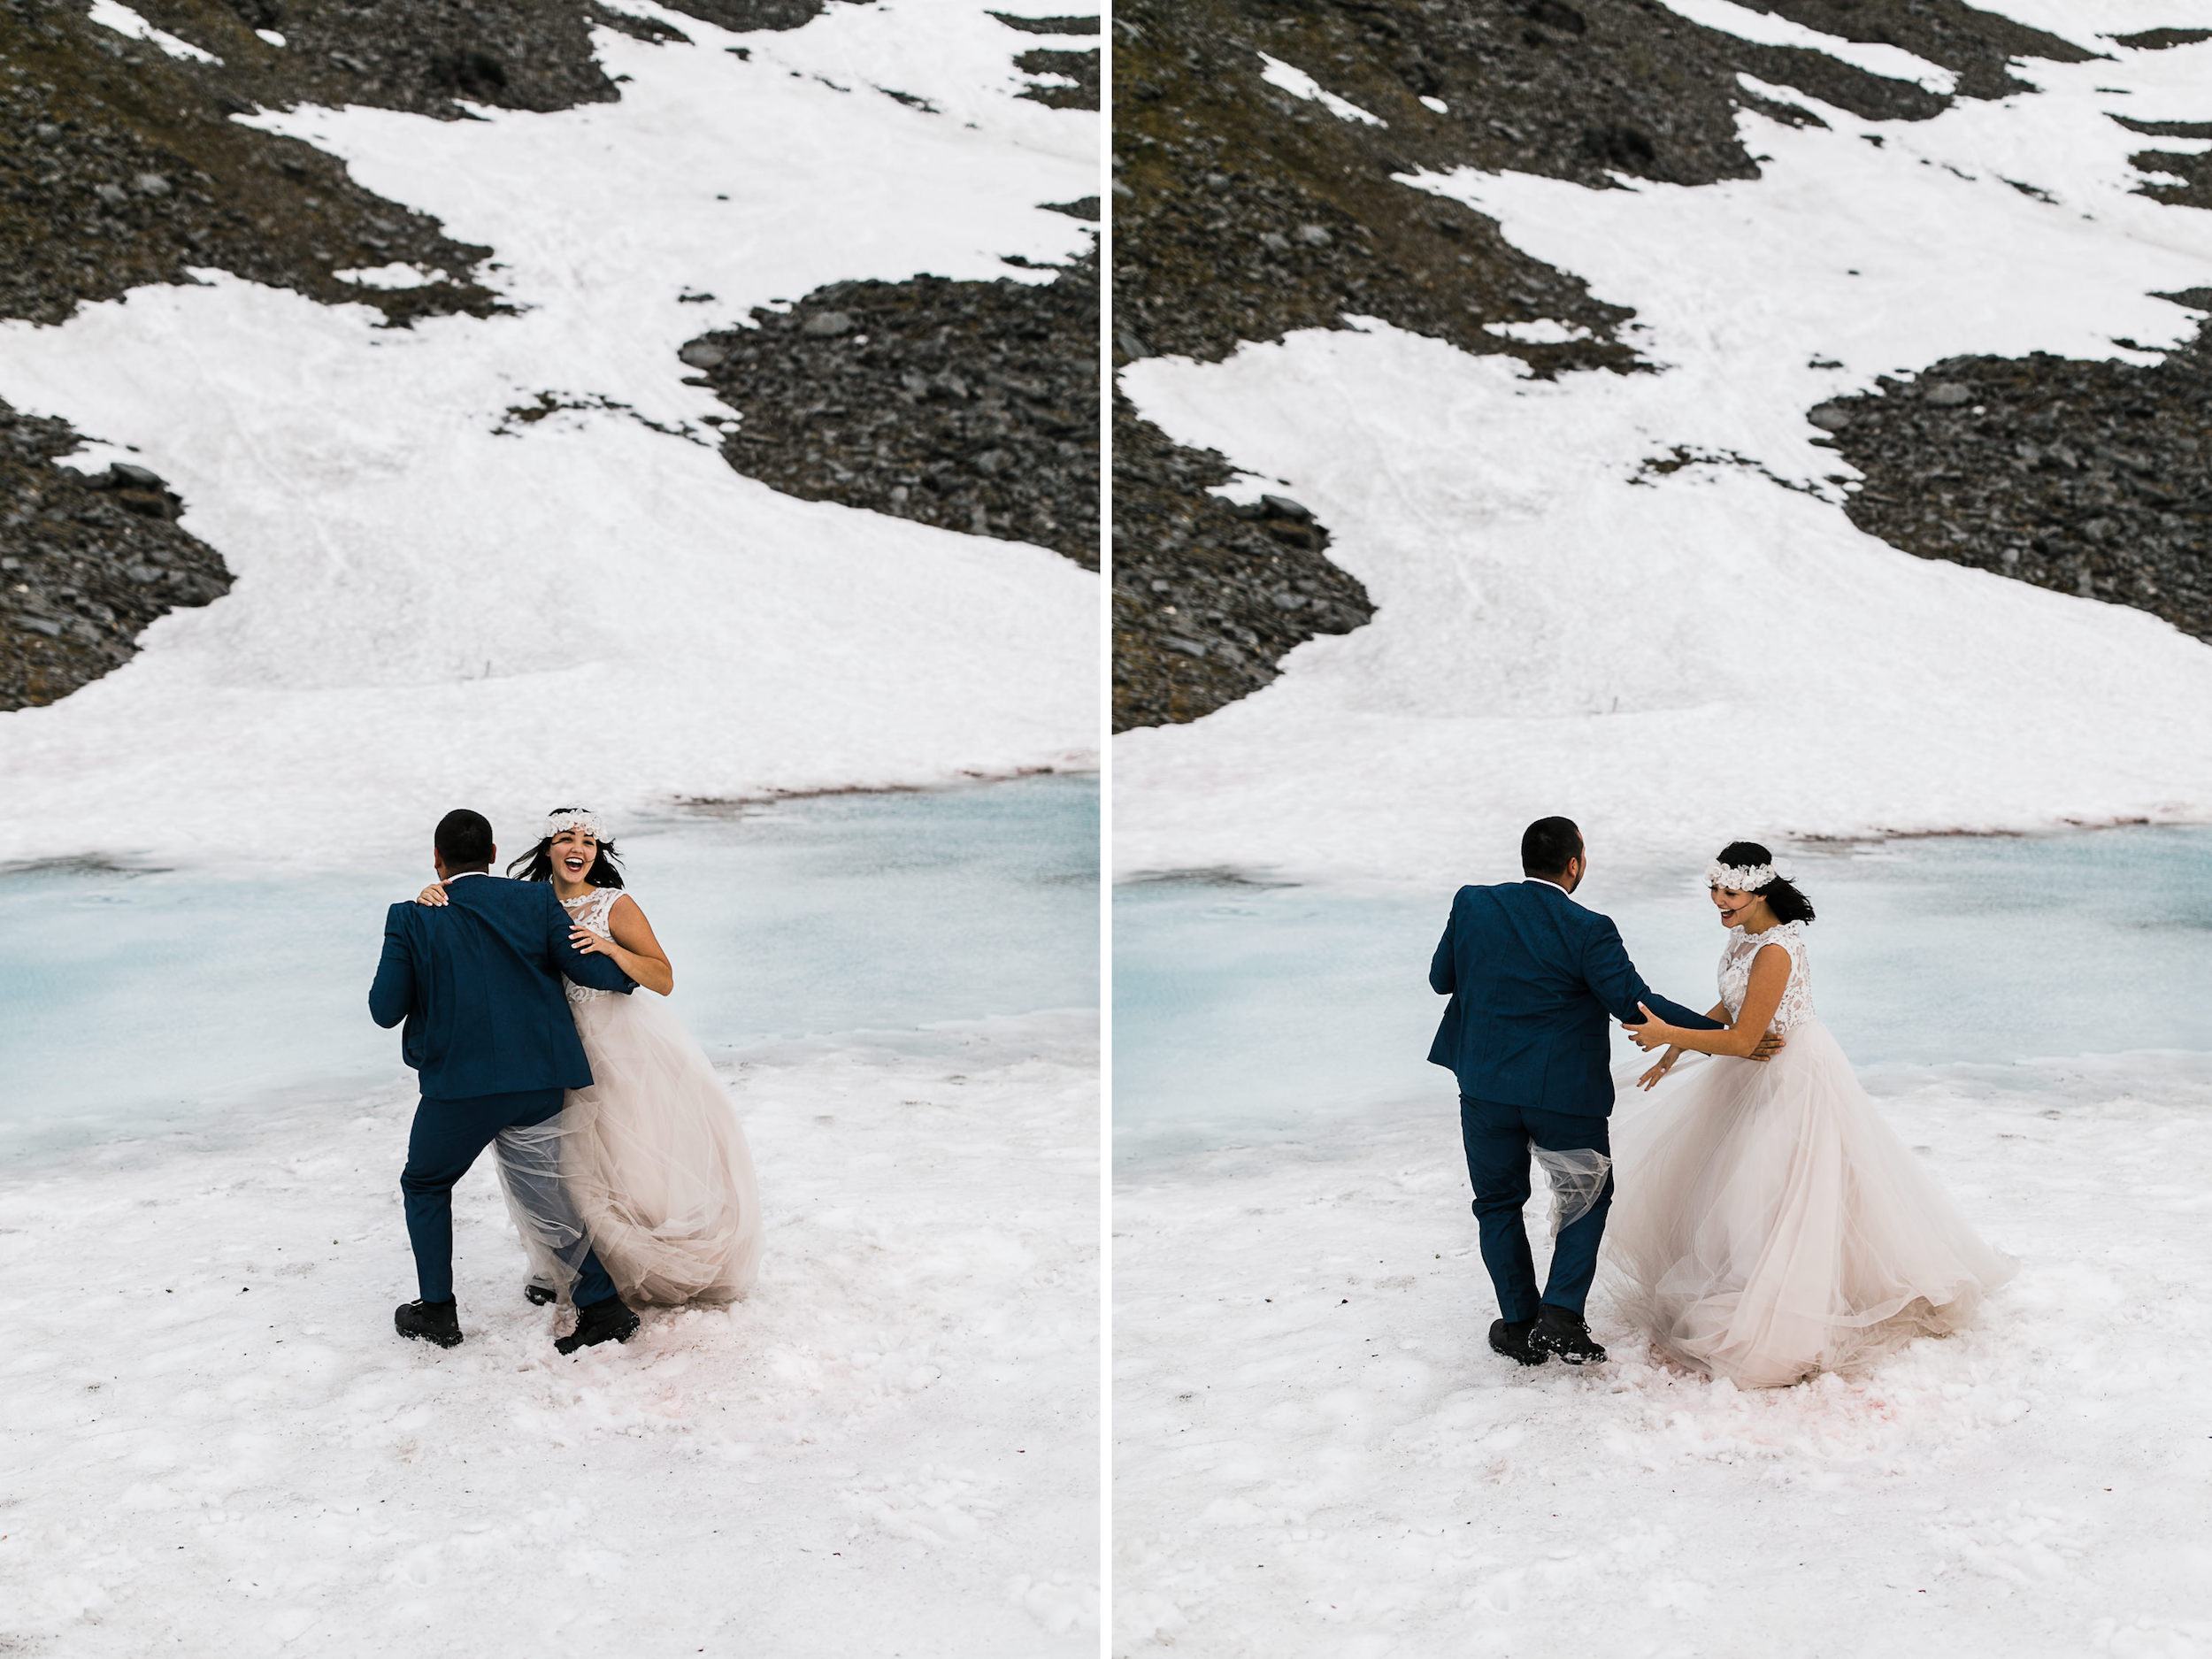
(1534, 977)
(478, 983)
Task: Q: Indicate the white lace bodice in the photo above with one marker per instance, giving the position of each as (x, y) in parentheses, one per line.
(591, 910)
(1735, 972)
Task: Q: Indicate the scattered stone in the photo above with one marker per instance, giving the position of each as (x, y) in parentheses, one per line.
(86, 563)
(2093, 479)
(1209, 596)
(969, 405)
(703, 354)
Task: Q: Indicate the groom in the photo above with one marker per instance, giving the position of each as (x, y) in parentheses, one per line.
(1532, 975)
(478, 980)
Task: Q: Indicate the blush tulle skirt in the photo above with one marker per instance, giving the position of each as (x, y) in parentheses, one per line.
(1769, 1225)
(655, 1163)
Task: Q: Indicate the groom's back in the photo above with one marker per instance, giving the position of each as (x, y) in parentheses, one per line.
(482, 992)
(1524, 1027)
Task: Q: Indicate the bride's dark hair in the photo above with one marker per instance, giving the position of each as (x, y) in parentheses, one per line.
(1781, 894)
(537, 864)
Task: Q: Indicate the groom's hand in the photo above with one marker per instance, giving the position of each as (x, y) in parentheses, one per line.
(1769, 1046)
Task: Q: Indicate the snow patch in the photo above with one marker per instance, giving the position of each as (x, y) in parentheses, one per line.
(113, 15)
(1298, 84)
(394, 275)
(1544, 331)
(1765, 28)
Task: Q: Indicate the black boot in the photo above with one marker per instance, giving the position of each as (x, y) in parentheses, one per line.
(537, 1295)
(438, 1322)
(607, 1321)
(1509, 1337)
(1563, 1334)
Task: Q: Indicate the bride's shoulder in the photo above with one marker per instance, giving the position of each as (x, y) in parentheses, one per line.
(1789, 935)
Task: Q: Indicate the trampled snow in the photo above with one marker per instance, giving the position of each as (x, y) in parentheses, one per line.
(430, 609)
(217, 1445)
(1318, 1453)
(1680, 659)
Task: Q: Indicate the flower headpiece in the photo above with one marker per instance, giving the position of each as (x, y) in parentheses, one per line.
(574, 818)
(1743, 878)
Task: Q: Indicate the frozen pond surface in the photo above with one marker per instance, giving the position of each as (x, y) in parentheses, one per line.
(1246, 1012)
(141, 1001)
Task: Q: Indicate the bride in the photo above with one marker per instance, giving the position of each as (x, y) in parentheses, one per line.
(1770, 1224)
(651, 1152)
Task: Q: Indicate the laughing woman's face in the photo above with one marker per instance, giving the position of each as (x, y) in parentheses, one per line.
(1737, 910)
(573, 852)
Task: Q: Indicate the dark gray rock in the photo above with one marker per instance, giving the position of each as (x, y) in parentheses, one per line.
(2086, 478)
(969, 405)
(79, 579)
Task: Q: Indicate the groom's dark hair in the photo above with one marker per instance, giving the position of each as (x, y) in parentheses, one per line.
(1547, 845)
(464, 839)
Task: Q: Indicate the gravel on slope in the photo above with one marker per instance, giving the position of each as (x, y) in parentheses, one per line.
(86, 563)
(2089, 477)
(969, 405)
(1244, 212)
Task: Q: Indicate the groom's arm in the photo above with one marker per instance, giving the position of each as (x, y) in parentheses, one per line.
(587, 968)
(392, 994)
(1444, 966)
(1613, 978)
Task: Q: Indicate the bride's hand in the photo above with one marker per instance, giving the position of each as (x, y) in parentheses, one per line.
(1652, 1032)
(586, 943)
(432, 895)
(1650, 1079)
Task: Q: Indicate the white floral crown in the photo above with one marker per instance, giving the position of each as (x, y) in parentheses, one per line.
(1743, 878)
(578, 818)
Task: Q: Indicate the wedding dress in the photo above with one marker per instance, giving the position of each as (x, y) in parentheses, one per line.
(651, 1155)
(1769, 1223)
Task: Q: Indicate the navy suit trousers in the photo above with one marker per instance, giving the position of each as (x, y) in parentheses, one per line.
(1497, 1138)
(448, 1136)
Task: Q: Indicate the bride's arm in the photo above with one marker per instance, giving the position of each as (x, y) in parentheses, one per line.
(1769, 977)
(634, 947)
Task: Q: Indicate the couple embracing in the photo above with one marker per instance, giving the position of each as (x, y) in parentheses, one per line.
(1769, 1223)
(624, 1169)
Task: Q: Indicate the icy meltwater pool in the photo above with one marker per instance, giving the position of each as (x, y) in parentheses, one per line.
(1246, 1012)
(137, 1001)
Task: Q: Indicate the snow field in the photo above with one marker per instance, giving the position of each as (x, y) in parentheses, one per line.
(1674, 658)
(217, 1443)
(1317, 1451)
(429, 608)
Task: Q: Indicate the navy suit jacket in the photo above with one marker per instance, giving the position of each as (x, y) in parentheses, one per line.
(1533, 975)
(477, 981)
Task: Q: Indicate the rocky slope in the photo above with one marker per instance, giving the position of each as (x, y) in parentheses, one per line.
(121, 165)
(1244, 211)
(2091, 477)
(90, 559)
